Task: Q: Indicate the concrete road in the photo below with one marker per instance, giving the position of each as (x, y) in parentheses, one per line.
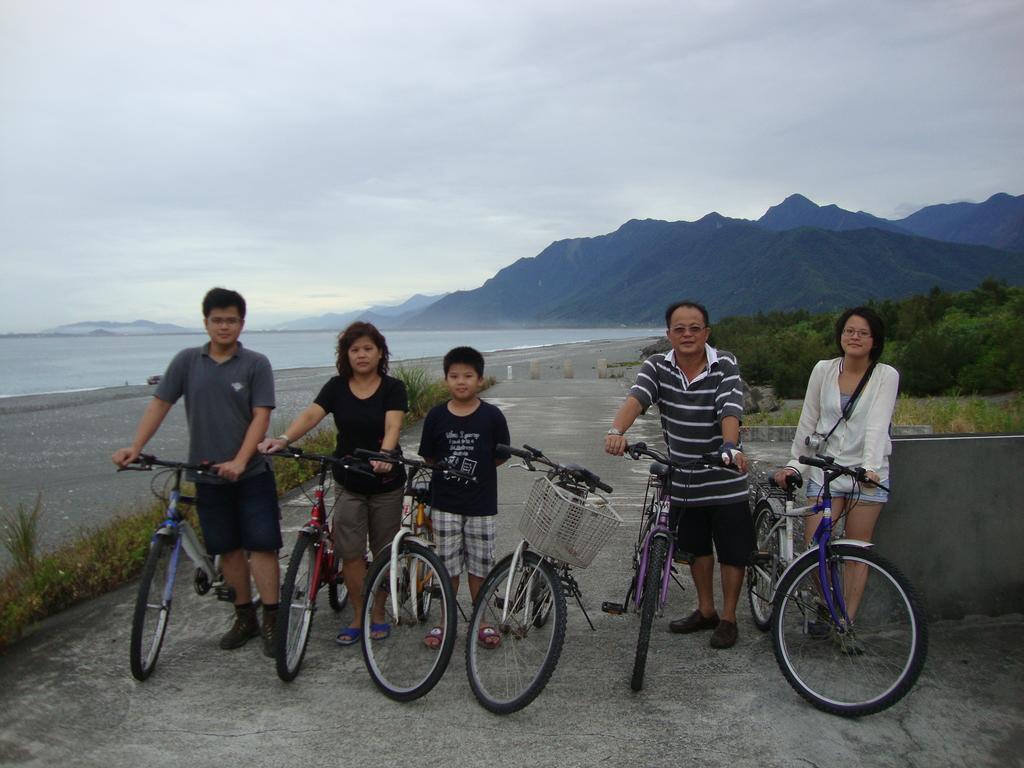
(68, 698)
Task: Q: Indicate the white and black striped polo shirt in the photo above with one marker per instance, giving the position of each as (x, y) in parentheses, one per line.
(691, 417)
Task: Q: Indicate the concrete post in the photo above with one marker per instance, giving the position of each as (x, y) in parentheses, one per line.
(602, 368)
(568, 368)
(535, 369)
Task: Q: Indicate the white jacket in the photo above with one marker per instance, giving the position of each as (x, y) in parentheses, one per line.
(863, 441)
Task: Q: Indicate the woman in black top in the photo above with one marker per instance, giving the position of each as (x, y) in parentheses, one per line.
(368, 407)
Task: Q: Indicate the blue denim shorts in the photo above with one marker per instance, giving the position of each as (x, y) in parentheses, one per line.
(869, 494)
(241, 515)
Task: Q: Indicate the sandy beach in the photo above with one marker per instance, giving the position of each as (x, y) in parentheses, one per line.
(60, 444)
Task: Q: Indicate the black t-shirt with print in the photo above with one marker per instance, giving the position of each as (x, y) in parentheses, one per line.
(466, 443)
(360, 424)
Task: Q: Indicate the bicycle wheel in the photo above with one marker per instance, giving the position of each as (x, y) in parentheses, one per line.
(401, 664)
(763, 574)
(507, 677)
(337, 593)
(875, 662)
(648, 607)
(298, 602)
(153, 605)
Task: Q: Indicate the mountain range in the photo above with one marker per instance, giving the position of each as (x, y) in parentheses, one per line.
(798, 255)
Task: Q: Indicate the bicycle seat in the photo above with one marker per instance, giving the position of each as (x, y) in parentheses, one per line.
(659, 469)
(421, 490)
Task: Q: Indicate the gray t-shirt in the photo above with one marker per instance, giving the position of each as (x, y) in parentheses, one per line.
(219, 402)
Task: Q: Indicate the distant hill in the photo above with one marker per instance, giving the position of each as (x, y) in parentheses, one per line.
(999, 222)
(797, 211)
(734, 266)
(108, 328)
(382, 316)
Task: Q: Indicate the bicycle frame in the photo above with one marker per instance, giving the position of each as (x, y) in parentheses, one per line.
(177, 528)
(828, 579)
(659, 529)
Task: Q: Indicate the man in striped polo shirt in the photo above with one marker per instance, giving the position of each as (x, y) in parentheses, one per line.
(698, 394)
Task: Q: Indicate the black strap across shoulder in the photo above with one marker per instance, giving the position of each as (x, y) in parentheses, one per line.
(848, 408)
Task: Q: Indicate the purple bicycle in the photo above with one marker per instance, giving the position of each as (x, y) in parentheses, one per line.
(654, 551)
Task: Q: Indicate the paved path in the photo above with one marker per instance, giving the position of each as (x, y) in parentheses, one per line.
(68, 698)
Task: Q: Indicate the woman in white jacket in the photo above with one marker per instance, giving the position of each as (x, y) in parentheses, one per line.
(854, 434)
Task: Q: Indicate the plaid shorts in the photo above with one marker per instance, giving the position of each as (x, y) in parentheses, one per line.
(464, 540)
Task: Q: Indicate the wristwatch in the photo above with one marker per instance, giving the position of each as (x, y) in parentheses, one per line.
(616, 432)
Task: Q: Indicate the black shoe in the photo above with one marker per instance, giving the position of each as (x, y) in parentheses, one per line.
(725, 635)
(695, 622)
(245, 627)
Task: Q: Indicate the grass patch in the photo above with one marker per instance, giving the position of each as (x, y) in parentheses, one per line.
(945, 414)
(112, 554)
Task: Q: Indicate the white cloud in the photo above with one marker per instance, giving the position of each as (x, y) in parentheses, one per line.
(320, 156)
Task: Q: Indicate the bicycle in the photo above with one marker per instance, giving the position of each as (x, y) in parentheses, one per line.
(411, 583)
(845, 664)
(312, 566)
(654, 551)
(773, 531)
(565, 522)
(156, 587)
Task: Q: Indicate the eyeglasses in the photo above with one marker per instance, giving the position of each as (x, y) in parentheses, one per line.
(680, 330)
(224, 320)
(851, 332)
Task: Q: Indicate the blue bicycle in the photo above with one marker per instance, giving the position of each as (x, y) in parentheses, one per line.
(156, 589)
(848, 629)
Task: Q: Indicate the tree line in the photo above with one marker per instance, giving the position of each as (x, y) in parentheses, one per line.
(970, 342)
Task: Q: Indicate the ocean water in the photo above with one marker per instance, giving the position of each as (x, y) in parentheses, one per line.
(38, 364)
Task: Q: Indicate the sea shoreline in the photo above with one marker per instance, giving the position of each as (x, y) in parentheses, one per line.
(59, 444)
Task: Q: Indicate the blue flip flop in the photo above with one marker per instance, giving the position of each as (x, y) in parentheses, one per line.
(350, 635)
(380, 631)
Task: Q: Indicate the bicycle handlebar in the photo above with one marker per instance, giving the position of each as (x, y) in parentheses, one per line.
(146, 462)
(829, 464)
(713, 459)
(345, 462)
(529, 454)
(363, 453)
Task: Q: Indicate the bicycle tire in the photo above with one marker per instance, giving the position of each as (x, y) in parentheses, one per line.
(152, 606)
(296, 608)
(337, 593)
(507, 677)
(861, 671)
(761, 579)
(648, 608)
(400, 664)
(422, 583)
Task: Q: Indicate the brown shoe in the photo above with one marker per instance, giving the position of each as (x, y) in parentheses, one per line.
(695, 622)
(245, 627)
(725, 635)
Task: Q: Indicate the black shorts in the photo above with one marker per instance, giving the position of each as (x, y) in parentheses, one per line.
(729, 526)
(241, 515)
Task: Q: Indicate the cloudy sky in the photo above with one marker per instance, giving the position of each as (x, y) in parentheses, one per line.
(324, 156)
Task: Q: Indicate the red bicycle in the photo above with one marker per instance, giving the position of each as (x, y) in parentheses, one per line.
(312, 566)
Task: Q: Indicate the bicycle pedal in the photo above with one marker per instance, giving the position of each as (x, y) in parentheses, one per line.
(224, 592)
(761, 558)
(615, 609)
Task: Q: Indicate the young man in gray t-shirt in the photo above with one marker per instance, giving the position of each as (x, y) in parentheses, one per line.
(229, 394)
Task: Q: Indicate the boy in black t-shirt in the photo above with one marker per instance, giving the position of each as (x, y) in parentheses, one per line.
(462, 433)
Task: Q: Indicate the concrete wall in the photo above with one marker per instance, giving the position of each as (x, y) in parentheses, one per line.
(954, 523)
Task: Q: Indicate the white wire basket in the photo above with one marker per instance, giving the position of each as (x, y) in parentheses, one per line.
(562, 525)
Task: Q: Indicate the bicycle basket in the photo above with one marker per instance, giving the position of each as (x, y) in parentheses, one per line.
(565, 526)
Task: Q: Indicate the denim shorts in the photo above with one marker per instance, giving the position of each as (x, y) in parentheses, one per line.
(869, 494)
(240, 515)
